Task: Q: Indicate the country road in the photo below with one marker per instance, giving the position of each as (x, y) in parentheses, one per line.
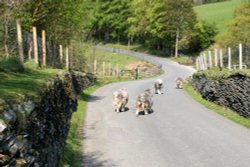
(179, 133)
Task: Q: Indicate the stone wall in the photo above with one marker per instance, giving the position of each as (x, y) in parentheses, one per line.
(33, 131)
(232, 92)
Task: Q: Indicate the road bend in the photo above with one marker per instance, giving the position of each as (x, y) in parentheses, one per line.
(178, 133)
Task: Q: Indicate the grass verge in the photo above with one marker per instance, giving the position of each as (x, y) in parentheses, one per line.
(218, 109)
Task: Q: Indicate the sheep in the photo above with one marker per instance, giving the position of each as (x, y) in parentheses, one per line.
(120, 99)
(158, 86)
(179, 81)
(144, 102)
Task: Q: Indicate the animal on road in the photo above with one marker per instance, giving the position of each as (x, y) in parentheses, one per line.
(144, 102)
(158, 86)
(179, 81)
(120, 99)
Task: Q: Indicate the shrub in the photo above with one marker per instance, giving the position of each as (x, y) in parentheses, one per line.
(11, 64)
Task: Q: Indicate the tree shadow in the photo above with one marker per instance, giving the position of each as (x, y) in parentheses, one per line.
(93, 159)
(95, 98)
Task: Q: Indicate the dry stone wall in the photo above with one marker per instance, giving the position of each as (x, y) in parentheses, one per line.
(33, 131)
(232, 92)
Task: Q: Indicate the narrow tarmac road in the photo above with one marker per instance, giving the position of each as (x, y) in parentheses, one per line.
(179, 133)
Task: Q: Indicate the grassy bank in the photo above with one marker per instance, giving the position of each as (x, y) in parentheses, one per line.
(218, 109)
(217, 13)
(13, 85)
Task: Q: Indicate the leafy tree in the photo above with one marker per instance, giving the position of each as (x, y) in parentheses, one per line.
(200, 38)
(110, 19)
(239, 28)
(180, 15)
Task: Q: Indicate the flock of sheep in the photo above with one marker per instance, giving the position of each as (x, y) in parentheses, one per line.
(144, 101)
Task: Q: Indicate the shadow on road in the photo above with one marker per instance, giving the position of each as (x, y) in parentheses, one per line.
(93, 159)
(95, 98)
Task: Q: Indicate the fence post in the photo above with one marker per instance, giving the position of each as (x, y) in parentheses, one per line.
(110, 69)
(221, 58)
(20, 40)
(44, 47)
(240, 56)
(210, 59)
(229, 58)
(197, 64)
(215, 58)
(136, 73)
(35, 45)
(61, 54)
(202, 62)
(67, 58)
(205, 60)
(95, 64)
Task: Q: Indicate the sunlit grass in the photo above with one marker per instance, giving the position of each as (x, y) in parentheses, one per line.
(14, 85)
(217, 13)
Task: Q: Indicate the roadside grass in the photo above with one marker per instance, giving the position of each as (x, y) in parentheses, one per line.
(227, 113)
(14, 85)
(217, 13)
(121, 60)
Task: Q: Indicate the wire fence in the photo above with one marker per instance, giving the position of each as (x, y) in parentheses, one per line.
(33, 45)
(230, 58)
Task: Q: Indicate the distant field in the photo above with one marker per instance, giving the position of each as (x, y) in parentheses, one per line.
(218, 13)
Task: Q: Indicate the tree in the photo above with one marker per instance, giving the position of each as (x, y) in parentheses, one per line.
(180, 14)
(239, 28)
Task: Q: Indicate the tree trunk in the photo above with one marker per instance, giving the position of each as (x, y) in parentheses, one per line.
(177, 41)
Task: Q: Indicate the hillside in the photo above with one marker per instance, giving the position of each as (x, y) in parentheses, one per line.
(218, 13)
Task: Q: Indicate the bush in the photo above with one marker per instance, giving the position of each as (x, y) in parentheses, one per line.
(11, 64)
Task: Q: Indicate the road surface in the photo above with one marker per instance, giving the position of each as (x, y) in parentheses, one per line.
(179, 132)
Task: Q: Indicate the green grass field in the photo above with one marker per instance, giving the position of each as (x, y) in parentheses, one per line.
(218, 13)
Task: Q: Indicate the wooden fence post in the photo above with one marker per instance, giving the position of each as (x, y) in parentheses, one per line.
(215, 58)
(205, 60)
(240, 56)
(221, 58)
(20, 40)
(61, 54)
(202, 62)
(67, 58)
(229, 58)
(197, 64)
(95, 65)
(110, 69)
(44, 47)
(210, 59)
(35, 45)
